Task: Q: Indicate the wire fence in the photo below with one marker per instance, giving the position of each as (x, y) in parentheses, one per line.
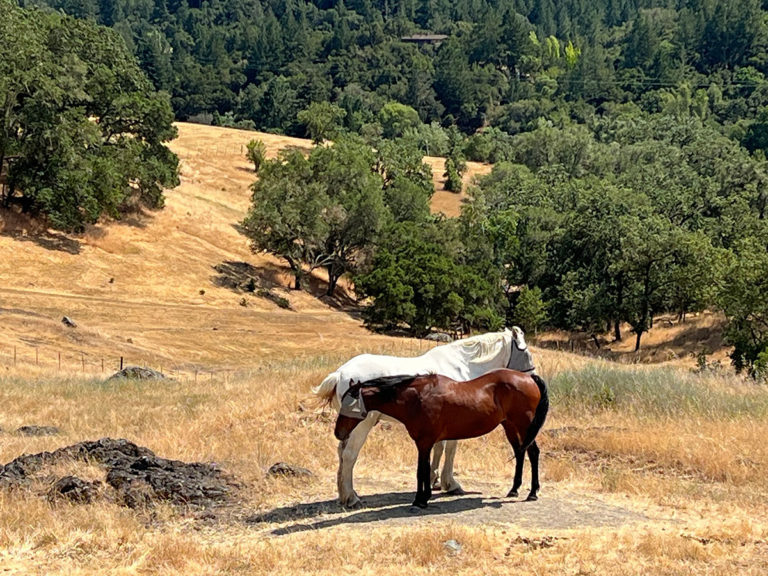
(48, 359)
(69, 362)
(229, 149)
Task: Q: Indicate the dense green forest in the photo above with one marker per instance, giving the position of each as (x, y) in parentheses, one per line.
(628, 139)
(505, 63)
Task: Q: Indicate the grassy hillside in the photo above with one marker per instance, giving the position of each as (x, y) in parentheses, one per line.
(147, 288)
(645, 470)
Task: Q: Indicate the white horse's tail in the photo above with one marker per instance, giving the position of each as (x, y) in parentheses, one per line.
(326, 390)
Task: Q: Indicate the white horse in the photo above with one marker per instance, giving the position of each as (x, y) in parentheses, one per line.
(460, 360)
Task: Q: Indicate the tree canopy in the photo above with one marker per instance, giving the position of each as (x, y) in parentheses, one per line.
(81, 120)
(505, 63)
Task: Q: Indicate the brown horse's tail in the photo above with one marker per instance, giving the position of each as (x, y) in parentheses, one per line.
(541, 412)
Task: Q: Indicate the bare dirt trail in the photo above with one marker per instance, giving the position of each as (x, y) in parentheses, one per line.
(386, 503)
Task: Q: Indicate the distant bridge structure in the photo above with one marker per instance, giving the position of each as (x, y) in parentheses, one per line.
(425, 38)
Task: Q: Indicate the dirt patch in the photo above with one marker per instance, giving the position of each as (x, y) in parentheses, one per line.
(125, 473)
(556, 510)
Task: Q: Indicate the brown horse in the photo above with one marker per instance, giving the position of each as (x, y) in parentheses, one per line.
(435, 408)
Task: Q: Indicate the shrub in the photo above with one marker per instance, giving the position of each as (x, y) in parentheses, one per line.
(257, 153)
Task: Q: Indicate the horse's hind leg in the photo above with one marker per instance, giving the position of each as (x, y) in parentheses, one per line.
(447, 482)
(437, 453)
(533, 456)
(519, 460)
(348, 452)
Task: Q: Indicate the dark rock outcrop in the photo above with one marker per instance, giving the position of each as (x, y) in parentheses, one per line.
(74, 489)
(135, 477)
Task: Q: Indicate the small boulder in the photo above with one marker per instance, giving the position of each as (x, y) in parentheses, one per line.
(438, 337)
(74, 489)
(38, 431)
(137, 373)
(281, 469)
(67, 321)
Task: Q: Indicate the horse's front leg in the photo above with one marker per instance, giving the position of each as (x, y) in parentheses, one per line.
(423, 484)
(448, 483)
(533, 456)
(348, 452)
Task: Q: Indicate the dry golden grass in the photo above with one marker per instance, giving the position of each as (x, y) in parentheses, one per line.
(623, 492)
(445, 201)
(694, 503)
(670, 341)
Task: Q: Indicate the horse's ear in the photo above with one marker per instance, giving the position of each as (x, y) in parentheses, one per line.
(518, 333)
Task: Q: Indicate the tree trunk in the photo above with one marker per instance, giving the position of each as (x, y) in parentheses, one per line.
(637, 340)
(297, 273)
(333, 279)
(619, 304)
(645, 312)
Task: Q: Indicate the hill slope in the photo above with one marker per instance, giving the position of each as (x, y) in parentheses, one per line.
(147, 288)
(162, 288)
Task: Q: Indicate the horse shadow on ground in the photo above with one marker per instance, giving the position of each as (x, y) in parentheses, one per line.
(377, 508)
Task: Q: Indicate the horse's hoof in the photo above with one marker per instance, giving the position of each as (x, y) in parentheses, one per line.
(352, 503)
(531, 498)
(513, 494)
(458, 491)
(419, 504)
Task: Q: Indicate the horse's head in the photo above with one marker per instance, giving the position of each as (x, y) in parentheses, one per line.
(520, 357)
(351, 412)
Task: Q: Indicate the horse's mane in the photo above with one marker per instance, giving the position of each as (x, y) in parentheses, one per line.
(387, 381)
(387, 386)
(482, 348)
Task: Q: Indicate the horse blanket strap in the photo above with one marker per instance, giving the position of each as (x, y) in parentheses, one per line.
(531, 369)
(353, 407)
